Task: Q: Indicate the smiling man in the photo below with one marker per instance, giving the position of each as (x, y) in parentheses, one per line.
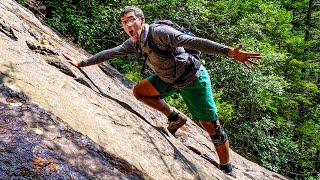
(176, 70)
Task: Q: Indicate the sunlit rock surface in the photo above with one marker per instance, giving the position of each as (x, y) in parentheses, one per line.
(58, 121)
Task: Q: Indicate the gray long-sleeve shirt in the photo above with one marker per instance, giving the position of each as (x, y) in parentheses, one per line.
(165, 38)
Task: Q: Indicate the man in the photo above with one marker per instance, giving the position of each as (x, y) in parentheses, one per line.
(173, 73)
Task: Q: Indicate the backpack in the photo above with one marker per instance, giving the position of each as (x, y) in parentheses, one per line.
(194, 64)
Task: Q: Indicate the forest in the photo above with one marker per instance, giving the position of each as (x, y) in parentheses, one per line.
(271, 111)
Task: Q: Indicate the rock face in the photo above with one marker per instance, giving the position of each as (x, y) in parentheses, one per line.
(34, 144)
(58, 121)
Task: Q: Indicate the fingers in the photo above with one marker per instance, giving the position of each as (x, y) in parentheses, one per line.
(249, 64)
(254, 56)
(71, 61)
(66, 56)
(244, 56)
(68, 59)
(251, 55)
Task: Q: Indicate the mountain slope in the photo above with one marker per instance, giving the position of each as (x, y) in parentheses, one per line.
(98, 103)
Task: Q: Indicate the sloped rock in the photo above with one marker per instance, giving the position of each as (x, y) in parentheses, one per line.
(100, 109)
(34, 144)
(7, 31)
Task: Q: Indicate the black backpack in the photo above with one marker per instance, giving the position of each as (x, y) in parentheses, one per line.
(193, 65)
(165, 53)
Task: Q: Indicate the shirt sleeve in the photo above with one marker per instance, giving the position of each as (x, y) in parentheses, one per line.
(125, 49)
(173, 38)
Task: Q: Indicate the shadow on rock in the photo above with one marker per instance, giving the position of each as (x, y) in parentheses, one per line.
(35, 144)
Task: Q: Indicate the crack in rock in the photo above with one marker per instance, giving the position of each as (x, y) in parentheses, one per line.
(8, 31)
(61, 66)
(40, 49)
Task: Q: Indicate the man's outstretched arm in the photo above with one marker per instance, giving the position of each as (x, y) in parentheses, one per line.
(125, 49)
(174, 38)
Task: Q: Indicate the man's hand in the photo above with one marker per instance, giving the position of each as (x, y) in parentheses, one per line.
(72, 61)
(243, 56)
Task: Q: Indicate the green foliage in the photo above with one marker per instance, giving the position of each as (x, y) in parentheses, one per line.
(21, 2)
(225, 109)
(272, 111)
(176, 101)
(133, 76)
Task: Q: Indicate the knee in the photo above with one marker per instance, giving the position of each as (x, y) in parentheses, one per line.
(220, 137)
(216, 132)
(136, 92)
(144, 89)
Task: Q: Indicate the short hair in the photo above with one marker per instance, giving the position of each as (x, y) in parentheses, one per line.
(137, 11)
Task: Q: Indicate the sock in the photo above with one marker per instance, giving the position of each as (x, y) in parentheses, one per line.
(173, 116)
(227, 168)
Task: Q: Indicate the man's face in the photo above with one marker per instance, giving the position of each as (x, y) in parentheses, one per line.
(132, 25)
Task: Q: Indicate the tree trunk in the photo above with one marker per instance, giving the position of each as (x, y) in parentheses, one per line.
(318, 160)
(308, 21)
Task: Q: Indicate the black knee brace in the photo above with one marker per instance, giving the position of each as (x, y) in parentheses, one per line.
(220, 137)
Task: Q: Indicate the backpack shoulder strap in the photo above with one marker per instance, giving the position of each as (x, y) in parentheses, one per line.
(152, 45)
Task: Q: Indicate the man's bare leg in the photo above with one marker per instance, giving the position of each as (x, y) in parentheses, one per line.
(148, 94)
(221, 148)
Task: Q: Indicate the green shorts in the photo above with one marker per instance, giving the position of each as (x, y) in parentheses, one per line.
(197, 95)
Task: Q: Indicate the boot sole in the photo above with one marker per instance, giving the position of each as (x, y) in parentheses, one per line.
(172, 128)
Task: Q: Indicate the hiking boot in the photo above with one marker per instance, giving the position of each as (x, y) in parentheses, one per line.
(175, 121)
(227, 168)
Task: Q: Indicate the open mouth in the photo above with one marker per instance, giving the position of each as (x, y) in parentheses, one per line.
(131, 33)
